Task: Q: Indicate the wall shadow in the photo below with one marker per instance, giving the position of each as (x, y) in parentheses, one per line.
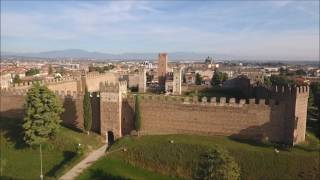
(69, 116)
(95, 106)
(127, 118)
(12, 130)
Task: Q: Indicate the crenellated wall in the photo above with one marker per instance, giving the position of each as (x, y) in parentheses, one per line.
(12, 105)
(176, 115)
(281, 118)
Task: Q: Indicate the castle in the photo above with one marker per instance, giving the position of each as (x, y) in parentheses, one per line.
(280, 119)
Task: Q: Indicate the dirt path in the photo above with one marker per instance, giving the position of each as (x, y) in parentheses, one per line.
(85, 163)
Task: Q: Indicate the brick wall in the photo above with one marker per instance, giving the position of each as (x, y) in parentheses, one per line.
(231, 119)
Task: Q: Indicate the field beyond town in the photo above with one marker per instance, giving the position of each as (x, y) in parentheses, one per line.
(175, 156)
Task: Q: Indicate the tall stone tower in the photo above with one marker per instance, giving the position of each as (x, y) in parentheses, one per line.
(162, 68)
(142, 85)
(301, 106)
(111, 95)
(295, 112)
(176, 81)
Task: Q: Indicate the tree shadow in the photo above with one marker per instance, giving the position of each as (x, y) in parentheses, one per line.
(99, 174)
(67, 156)
(70, 116)
(127, 120)
(12, 130)
(95, 107)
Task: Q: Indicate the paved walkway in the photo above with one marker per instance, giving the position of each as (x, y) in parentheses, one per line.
(85, 163)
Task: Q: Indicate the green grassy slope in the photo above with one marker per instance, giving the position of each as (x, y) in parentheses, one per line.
(22, 162)
(155, 153)
(114, 168)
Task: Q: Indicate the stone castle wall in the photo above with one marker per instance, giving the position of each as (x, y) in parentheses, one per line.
(281, 120)
(12, 106)
(180, 115)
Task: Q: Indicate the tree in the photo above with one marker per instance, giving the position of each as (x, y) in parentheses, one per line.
(267, 81)
(137, 117)
(42, 115)
(32, 72)
(224, 77)
(280, 80)
(217, 164)
(50, 71)
(87, 111)
(198, 79)
(300, 72)
(218, 78)
(16, 79)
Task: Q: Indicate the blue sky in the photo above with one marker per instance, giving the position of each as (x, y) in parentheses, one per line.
(267, 29)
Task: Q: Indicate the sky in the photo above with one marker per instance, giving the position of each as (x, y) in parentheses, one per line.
(264, 29)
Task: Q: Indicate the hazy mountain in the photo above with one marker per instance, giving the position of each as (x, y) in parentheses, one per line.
(82, 54)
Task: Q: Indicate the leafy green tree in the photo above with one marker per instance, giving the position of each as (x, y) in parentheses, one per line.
(137, 117)
(300, 72)
(32, 72)
(280, 80)
(218, 78)
(42, 115)
(87, 111)
(267, 81)
(217, 164)
(16, 79)
(224, 77)
(198, 79)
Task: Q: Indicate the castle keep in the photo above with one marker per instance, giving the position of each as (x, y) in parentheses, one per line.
(280, 119)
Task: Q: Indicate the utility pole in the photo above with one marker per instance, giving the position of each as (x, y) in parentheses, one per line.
(41, 175)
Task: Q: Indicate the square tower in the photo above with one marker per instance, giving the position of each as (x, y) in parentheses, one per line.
(162, 68)
(110, 110)
(177, 81)
(142, 85)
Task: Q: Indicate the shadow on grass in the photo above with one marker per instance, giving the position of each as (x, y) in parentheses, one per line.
(67, 157)
(13, 132)
(99, 174)
(259, 143)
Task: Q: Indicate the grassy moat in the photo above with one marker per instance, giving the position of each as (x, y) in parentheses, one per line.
(154, 157)
(151, 157)
(19, 161)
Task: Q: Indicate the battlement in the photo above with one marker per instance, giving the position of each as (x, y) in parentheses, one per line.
(92, 75)
(113, 87)
(23, 92)
(214, 101)
(290, 90)
(44, 82)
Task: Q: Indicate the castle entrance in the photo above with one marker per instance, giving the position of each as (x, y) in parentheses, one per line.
(110, 137)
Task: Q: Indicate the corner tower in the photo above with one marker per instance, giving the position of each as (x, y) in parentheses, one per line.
(295, 112)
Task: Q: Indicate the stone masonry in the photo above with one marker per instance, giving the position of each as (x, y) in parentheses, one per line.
(281, 119)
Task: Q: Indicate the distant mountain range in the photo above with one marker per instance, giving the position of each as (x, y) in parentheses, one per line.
(82, 54)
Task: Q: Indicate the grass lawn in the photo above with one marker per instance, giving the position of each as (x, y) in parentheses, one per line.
(155, 153)
(111, 168)
(22, 162)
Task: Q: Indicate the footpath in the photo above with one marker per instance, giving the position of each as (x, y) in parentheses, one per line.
(85, 163)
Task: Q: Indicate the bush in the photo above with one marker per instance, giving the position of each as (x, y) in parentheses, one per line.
(217, 164)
